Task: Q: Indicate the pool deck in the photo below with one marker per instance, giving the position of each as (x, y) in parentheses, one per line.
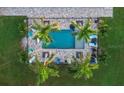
(64, 23)
(61, 53)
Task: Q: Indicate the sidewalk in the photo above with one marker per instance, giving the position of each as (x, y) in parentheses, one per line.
(63, 12)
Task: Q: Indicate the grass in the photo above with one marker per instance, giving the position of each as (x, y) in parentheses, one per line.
(15, 73)
(112, 73)
(11, 71)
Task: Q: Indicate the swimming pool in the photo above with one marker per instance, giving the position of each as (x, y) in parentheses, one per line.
(62, 40)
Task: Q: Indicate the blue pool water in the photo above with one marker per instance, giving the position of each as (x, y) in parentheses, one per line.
(62, 40)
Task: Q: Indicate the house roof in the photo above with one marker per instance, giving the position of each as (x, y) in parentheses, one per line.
(59, 12)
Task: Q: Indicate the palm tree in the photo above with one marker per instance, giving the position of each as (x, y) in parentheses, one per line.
(85, 69)
(43, 30)
(83, 31)
(43, 70)
(49, 59)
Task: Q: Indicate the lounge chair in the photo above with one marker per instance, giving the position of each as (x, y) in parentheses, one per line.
(80, 22)
(92, 44)
(72, 27)
(32, 59)
(57, 60)
(30, 50)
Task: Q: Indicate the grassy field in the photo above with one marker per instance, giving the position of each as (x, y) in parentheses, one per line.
(11, 71)
(14, 73)
(111, 74)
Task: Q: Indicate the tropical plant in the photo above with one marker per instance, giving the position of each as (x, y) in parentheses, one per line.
(83, 31)
(23, 56)
(43, 30)
(102, 27)
(103, 56)
(85, 69)
(23, 28)
(43, 70)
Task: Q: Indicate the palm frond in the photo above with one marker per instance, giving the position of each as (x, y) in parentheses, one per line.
(50, 59)
(76, 25)
(84, 31)
(85, 69)
(44, 30)
(94, 66)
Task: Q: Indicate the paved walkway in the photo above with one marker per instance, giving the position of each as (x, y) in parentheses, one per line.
(52, 12)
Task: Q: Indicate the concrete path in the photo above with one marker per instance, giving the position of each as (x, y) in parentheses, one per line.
(52, 12)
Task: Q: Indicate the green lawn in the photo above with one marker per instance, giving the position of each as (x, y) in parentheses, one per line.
(11, 71)
(14, 73)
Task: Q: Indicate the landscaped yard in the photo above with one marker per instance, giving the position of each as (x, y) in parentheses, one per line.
(113, 73)
(12, 72)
